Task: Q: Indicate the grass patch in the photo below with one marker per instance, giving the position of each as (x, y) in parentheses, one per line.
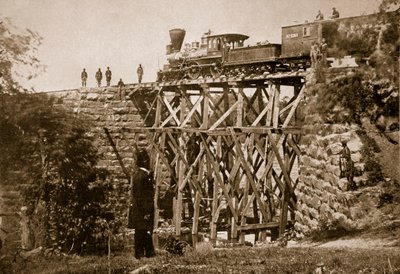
(234, 260)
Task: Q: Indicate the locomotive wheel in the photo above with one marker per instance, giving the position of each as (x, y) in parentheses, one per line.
(193, 70)
(216, 69)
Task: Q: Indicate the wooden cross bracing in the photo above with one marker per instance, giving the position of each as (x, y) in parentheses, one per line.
(229, 154)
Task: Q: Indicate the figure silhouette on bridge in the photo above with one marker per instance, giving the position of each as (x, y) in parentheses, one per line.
(108, 76)
(319, 16)
(139, 72)
(121, 86)
(335, 13)
(99, 76)
(84, 77)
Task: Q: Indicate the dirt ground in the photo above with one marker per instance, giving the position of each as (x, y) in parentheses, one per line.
(352, 242)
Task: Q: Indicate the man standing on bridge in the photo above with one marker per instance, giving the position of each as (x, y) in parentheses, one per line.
(99, 76)
(121, 86)
(139, 72)
(108, 76)
(84, 77)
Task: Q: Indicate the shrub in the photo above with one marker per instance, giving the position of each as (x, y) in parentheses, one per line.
(51, 159)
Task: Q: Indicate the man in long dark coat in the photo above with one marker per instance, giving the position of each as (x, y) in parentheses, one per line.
(141, 213)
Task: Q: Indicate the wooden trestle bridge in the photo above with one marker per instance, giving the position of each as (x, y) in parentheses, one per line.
(228, 146)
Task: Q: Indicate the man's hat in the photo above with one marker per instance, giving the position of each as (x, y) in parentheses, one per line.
(142, 158)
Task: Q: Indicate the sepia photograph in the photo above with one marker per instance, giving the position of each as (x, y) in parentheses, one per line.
(199, 136)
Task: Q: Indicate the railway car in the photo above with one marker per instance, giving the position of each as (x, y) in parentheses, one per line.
(344, 36)
(225, 54)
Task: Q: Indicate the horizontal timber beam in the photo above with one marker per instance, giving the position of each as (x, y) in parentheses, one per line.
(218, 131)
(258, 226)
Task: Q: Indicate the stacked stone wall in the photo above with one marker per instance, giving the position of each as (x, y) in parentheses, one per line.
(106, 109)
(9, 217)
(324, 198)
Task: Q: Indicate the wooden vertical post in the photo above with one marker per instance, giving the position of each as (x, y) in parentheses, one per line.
(234, 231)
(268, 122)
(196, 204)
(285, 197)
(197, 200)
(213, 222)
(239, 116)
(196, 215)
(268, 118)
(158, 165)
(296, 92)
(158, 111)
(268, 177)
(181, 172)
(275, 111)
(178, 201)
(158, 179)
(206, 106)
(226, 98)
(243, 213)
(260, 101)
(239, 123)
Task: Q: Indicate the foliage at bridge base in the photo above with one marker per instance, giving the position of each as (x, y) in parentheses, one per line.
(50, 165)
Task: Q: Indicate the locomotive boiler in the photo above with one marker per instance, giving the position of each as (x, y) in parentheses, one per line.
(216, 55)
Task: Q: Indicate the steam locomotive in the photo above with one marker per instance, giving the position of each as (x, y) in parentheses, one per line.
(225, 54)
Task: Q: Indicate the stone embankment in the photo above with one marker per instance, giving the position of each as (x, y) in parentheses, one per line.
(107, 108)
(325, 200)
(323, 196)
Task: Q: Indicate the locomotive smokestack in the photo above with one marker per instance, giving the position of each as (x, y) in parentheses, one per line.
(177, 36)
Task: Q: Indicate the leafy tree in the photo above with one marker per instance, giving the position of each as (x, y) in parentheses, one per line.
(356, 96)
(18, 61)
(51, 158)
(389, 5)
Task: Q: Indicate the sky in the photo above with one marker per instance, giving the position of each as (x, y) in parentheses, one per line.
(121, 34)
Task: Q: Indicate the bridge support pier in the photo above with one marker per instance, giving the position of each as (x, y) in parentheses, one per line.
(228, 149)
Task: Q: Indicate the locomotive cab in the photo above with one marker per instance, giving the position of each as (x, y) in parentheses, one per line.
(215, 43)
